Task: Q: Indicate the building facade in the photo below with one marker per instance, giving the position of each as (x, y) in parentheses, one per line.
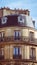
(18, 40)
(7, 11)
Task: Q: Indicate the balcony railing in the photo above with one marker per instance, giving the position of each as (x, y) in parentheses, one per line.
(1, 57)
(22, 38)
(33, 57)
(17, 56)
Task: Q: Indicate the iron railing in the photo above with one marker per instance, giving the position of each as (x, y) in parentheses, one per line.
(21, 38)
(33, 57)
(17, 56)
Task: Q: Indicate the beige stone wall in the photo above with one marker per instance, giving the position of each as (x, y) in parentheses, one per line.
(11, 52)
(35, 34)
(36, 53)
(31, 30)
(35, 63)
(6, 52)
(9, 31)
(25, 52)
(25, 32)
(6, 12)
(34, 31)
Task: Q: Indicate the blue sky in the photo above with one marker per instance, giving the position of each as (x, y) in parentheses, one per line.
(22, 4)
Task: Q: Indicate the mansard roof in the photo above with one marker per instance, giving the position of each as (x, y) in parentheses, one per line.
(16, 20)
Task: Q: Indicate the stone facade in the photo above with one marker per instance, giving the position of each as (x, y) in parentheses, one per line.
(7, 11)
(18, 44)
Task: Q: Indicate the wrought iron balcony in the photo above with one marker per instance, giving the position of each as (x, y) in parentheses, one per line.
(1, 57)
(10, 38)
(22, 38)
(17, 56)
(33, 57)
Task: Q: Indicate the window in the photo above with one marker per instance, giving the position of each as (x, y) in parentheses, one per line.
(4, 20)
(2, 36)
(32, 53)
(1, 53)
(16, 51)
(21, 19)
(17, 35)
(31, 36)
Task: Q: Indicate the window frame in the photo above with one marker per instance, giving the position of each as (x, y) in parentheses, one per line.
(17, 50)
(17, 34)
(31, 36)
(32, 53)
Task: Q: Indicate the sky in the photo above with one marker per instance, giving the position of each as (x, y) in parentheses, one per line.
(31, 5)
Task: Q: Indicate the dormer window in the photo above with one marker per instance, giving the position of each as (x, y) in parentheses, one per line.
(21, 19)
(4, 20)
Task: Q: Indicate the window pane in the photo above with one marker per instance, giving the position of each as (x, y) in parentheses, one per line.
(31, 36)
(32, 53)
(1, 53)
(0, 34)
(17, 35)
(16, 51)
